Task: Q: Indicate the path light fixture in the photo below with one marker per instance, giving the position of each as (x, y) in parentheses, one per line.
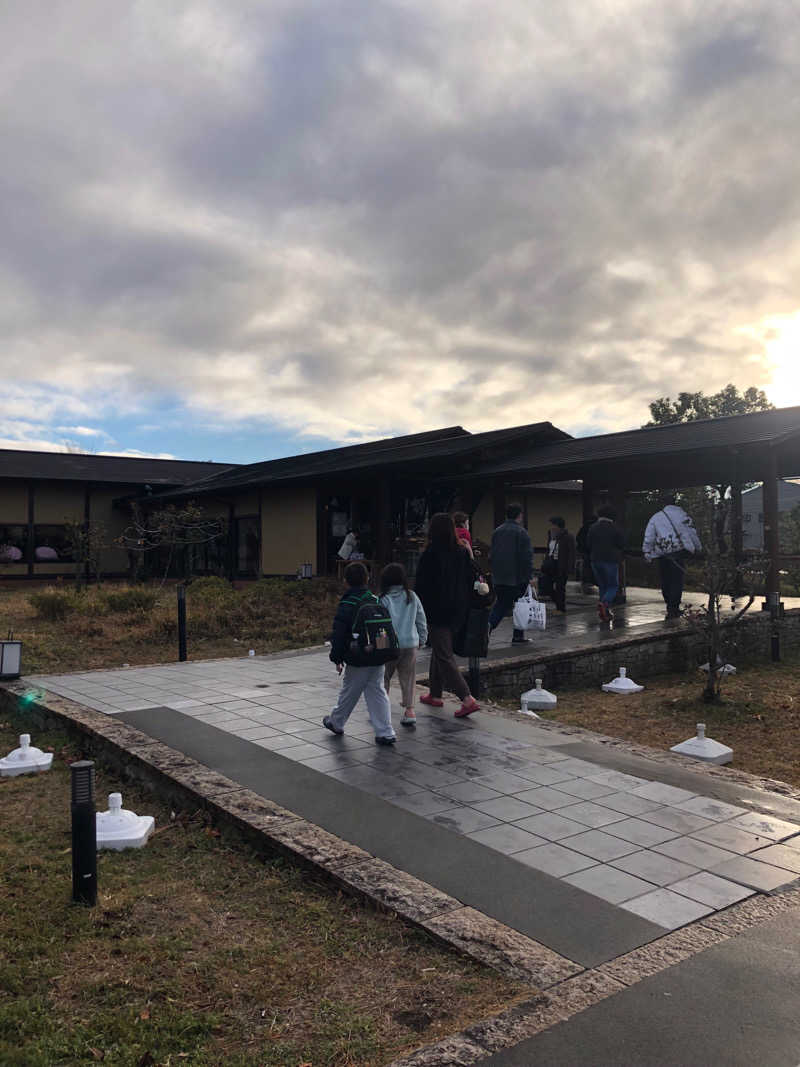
(10, 658)
(536, 700)
(704, 748)
(119, 828)
(84, 834)
(622, 684)
(25, 760)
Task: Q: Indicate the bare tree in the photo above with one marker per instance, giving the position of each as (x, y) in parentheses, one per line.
(87, 541)
(171, 528)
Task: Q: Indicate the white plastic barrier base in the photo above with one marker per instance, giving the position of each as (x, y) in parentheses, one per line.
(537, 699)
(622, 684)
(118, 828)
(704, 748)
(25, 760)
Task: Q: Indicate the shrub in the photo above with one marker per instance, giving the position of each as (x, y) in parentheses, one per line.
(210, 589)
(136, 600)
(56, 604)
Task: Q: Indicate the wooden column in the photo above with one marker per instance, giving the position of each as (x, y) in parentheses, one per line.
(771, 527)
(737, 534)
(499, 501)
(30, 548)
(587, 500)
(87, 527)
(619, 501)
(383, 531)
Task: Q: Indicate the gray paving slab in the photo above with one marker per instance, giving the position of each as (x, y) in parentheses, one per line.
(572, 922)
(609, 883)
(756, 875)
(711, 890)
(734, 1004)
(652, 867)
(668, 909)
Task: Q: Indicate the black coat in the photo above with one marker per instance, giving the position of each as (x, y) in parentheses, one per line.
(605, 542)
(444, 584)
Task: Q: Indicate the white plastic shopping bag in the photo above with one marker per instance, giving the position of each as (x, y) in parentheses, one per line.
(529, 613)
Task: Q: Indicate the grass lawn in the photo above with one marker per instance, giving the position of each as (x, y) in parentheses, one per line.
(109, 625)
(759, 716)
(200, 952)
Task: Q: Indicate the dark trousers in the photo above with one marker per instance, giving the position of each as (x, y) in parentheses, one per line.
(671, 572)
(506, 595)
(560, 591)
(607, 577)
(443, 672)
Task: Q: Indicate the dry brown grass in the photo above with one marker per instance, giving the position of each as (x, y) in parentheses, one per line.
(759, 716)
(201, 952)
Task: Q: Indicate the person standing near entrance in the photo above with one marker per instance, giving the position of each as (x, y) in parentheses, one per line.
(670, 538)
(411, 627)
(605, 542)
(444, 582)
(561, 554)
(511, 558)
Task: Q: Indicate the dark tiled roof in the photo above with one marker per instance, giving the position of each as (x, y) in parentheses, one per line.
(123, 470)
(416, 453)
(573, 457)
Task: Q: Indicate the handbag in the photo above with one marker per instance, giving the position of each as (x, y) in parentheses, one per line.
(529, 613)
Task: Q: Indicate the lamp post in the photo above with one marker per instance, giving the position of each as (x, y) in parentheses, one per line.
(84, 834)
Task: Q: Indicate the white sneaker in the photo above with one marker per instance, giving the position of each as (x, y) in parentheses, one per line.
(408, 720)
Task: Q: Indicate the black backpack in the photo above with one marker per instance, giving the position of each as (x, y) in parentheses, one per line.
(374, 639)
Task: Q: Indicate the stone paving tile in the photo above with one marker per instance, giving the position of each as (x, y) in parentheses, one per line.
(547, 798)
(280, 743)
(473, 794)
(792, 842)
(666, 909)
(554, 859)
(600, 845)
(509, 809)
(708, 808)
(583, 789)
(463, 820)
(304, 751)
(749, 872)
(233, 726)
(616, 779)
(551, 825)
(641, 833)
(682, 822)
(506, 839)
(424, 803)
(652, 867)
(333, 762)
(593, 815)
(504, 782)
(765, 826)
(550, 774)
(726, 836)
(779, 856)
(711, 890)
(629, 804)
(696, 853)
(609, 884)
(428, 777)
(253, 733)
(664, 794)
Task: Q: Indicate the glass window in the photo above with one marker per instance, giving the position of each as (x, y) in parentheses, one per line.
(51, 544)
(247, 544)
(13, 543)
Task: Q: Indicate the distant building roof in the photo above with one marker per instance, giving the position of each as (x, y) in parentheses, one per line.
(88, 467)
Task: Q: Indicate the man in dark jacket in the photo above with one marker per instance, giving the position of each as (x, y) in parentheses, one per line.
(605, 543)
(512, 567)
(358, 680)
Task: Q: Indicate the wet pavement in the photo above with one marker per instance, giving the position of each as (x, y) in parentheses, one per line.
(553, 807)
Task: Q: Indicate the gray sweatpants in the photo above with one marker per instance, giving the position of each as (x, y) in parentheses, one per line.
(369, 682)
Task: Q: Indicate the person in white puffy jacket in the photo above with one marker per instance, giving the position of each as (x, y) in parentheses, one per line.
(669, 539)
(409, 622)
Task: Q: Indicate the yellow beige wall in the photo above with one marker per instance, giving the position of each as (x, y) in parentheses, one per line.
(13, 511)
(288, 530)
(541, 504)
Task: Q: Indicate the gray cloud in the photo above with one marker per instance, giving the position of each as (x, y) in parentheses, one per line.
(486, 215)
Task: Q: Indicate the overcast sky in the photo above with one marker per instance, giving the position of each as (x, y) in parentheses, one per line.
(242, 229)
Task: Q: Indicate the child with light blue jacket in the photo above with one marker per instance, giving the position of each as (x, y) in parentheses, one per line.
(411, 627)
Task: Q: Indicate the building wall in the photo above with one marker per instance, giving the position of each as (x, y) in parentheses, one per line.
(288, 530)
(540, 504)
(753, 512)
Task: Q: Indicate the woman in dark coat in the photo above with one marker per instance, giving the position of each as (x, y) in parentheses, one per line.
(445, 577)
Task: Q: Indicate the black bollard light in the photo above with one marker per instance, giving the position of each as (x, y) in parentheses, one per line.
(84, 834)
(182, 623)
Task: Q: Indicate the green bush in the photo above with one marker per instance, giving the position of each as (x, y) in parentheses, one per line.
(56, 604)
(135, 600)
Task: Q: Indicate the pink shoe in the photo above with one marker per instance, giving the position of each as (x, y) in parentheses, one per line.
(434, 702)
(467, 708)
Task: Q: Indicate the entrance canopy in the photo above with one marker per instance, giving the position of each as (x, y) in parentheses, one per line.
(729, 450)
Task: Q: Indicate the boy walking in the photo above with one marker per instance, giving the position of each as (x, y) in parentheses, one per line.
(360, 677)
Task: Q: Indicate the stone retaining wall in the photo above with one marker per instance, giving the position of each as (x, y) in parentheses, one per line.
(677, 651)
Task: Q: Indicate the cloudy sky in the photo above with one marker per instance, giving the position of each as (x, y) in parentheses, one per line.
(242, 229)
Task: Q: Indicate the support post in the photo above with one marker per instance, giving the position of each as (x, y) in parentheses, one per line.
(737, 535)
(475, 676)
(384, 525)
(619, 501)
(499, 503)
(587, 500)
(181, 623)
(772, 549)
(84, 834)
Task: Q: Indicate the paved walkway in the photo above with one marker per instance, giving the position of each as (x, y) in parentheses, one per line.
(589, 851)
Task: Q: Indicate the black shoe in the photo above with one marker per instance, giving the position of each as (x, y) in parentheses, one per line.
(385, 740)
(326, 722)
(522, 640)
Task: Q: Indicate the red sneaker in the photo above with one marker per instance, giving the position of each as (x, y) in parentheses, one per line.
(434, 702)
(467, 708)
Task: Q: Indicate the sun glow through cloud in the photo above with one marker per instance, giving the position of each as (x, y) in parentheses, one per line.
(780, 337)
